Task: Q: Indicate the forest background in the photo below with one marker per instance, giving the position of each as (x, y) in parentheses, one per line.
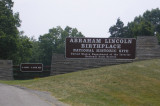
(20, 48)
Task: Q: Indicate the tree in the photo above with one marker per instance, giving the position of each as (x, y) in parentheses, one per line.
(23, 53)
(140, 27)
(7, 3)
(118, 30)
(24, 48)
(153, 17)
(13, 44)
(54, 42)
(8, 30)
(147, 24)
(35, 51)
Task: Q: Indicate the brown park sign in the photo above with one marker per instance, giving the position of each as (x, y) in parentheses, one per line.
(34, 67)
(113, 48)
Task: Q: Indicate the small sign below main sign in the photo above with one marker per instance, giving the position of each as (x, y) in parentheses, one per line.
(34, 67)
(113, 48)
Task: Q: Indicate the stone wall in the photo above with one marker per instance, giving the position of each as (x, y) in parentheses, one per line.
(6, 71)
(146, 48)
(60, 65)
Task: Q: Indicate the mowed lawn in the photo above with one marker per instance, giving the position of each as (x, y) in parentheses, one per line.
(133, 84)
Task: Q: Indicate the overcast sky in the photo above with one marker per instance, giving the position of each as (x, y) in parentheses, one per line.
(91, 17)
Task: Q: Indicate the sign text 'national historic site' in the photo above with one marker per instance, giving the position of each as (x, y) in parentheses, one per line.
(112, 48)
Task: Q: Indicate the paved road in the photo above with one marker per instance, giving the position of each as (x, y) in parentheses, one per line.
(13, 96)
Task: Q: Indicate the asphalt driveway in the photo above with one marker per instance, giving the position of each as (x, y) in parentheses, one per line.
(15, 96)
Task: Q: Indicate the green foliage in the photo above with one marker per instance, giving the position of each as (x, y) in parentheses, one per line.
(19, 48)
(13, 45)
(153, 16)
(7, 3)
(8, 46)
(117, 30)
(25, 47)
(35, 51)
(54, 42)
(141, 28)
(146, 25)
(8, 30)
(23, 52)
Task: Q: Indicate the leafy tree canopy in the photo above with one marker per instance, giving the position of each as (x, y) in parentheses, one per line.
(54, 42)
(147, 24)
(8, 30)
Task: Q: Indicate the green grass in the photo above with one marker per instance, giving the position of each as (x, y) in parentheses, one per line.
(133, 84)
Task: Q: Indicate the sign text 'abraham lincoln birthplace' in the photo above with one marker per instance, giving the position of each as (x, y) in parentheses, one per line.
(116, 48)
